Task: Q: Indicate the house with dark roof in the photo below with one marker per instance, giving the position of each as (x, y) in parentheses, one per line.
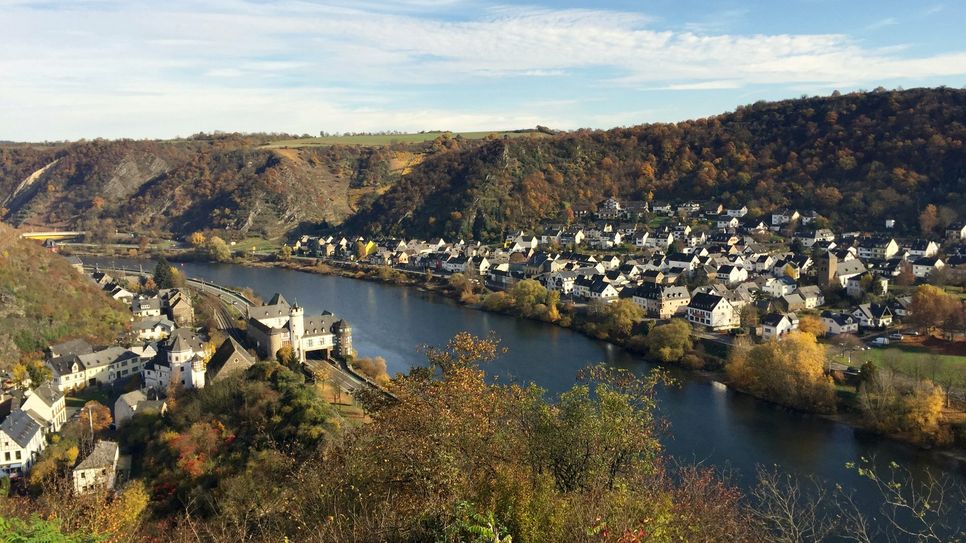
(73, 371)
(712, 312)
(777, 325)
(98, 469)
(661, 301)
(131, 403)
(839, 323)
(21, 442)
(181, 360)
(74, 346)
(46, 404)
(873, 315)
(230, 359)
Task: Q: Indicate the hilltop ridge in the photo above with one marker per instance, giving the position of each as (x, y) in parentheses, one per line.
(856, 159)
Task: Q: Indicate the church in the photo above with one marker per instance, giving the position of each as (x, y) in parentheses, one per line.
(278, 324)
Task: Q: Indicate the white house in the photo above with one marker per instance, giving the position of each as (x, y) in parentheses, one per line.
(154, 328)
(725, 222)
(599, 290)
(839, 323)
(924, 267)
(21, 442)
(878, 248)
(98, 469)
(711, 311)
(182, 360)
(812, 295)
(46, 404)
(74, 371)
(731, 274)
(776, 325)
(921, 248)
(144, 306)
(127, 405)
(873, 315)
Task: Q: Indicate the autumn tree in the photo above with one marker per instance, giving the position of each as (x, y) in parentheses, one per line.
(790, 371)
(811, 324)
(669, 342)
(285, 252)
(96, 416)
(934, 309)
(374, 368)
(621, 316)
(928, 219)
(218, 250)
(197, 239)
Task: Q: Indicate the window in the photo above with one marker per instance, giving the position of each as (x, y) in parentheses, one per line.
(7, 456)
(18, 455)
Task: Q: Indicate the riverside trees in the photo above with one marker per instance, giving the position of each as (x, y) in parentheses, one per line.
(790, 372)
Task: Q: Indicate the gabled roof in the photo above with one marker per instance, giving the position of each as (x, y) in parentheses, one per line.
(20, 427)
(705, 302)
(48, 394)
(773, 319)
(182, 340)
(103, 456)
(74, 346)
(106, 357)
(228, 350)
(132, 398)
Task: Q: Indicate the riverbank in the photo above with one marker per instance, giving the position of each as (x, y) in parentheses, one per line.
(440, 286)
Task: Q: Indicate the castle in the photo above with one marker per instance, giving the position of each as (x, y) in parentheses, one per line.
(278, 324)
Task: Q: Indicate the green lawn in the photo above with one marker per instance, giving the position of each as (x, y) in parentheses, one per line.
(260, 244)
(911, 361)
(388, 138)
(80, 397)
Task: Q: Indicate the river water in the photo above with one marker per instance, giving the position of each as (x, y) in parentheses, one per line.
(708, 423)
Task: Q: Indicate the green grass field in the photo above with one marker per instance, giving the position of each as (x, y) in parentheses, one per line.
(911, 361)
(388, 139)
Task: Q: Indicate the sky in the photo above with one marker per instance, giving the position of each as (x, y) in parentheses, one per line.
(72, 69)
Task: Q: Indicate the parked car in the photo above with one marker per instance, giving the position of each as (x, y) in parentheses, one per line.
(896, 336)
(880, 342)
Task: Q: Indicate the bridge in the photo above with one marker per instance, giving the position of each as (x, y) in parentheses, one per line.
(53, 235)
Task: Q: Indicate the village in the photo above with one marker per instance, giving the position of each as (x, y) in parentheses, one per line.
(166, 352)
(728, 275)
(725, 272)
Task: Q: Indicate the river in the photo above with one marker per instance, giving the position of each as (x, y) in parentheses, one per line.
(708, 423)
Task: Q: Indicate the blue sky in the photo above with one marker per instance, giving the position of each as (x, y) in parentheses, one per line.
(109, 68)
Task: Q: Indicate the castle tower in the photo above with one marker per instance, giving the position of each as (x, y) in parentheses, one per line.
(343, 333)
(198, 373)
(296, 328)
(827, 268)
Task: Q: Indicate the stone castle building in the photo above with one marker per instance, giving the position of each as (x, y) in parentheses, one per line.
(278, 324)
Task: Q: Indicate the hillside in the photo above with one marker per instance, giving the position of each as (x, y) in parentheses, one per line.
(231, 183)
(857, 159)
(43, 300)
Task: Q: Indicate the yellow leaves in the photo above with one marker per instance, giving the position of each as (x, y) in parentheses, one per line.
(790, 371)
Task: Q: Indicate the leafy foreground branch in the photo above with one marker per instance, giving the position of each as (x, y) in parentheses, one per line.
(262, 457)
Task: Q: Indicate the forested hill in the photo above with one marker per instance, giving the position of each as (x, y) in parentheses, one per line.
(241, 184)
(856, 159)
(44, 300)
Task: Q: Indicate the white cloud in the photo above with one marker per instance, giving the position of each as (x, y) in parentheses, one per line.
(354, 65)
